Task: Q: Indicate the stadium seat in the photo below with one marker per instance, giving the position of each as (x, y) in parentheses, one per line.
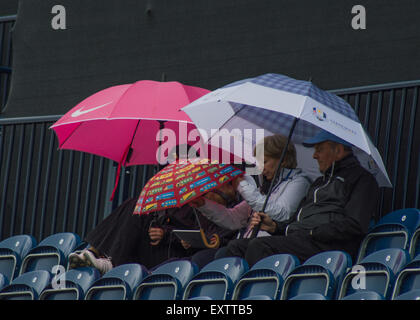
(167, 282)
(3, 281)
(255, 297)
(415, 244)
(376, 272)
(265, 278)
(27, 286)
(117, 284)
(309, 296)
(364, 295)
(72, 285)
(408, 278)
(51, 251)
(394, 230)
(217, 279)
(321, 273)
(12, 252)
(409, 295)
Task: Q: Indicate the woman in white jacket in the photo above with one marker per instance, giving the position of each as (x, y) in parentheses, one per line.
(288, 191)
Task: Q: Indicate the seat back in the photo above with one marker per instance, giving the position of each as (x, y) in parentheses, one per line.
(12, 251)
(364, 295)
(394, 230)
(409, 217)
(409, 295)
(266, 277)
(217, 279)
(3, 281)
(321, 273)
(382, 237)
(167, 282)
(51, 251)
(309, 296)
(27, 286)
(375, 272)
(408, 279)
(118, 283)
(415, 244)
(72, 285)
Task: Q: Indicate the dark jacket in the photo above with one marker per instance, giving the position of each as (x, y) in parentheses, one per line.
(338, 207)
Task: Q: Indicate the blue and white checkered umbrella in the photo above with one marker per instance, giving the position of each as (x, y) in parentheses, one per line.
(272, 102)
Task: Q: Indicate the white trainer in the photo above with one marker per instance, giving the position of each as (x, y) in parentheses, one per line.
(102, 264)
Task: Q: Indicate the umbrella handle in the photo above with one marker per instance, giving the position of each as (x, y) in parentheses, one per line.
(255, 230)
(206, 243)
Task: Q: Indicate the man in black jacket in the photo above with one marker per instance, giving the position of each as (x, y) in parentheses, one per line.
(334, 215)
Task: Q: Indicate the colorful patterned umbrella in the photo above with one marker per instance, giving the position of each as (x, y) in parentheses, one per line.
(182, 181)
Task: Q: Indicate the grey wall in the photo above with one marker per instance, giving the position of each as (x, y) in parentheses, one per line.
(204, 43)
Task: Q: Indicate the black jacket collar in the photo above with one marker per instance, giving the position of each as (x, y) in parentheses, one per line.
(347, 162)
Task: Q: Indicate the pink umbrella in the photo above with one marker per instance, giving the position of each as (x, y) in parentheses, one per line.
(123, 122)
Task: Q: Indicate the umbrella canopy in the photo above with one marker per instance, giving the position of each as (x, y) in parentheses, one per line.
(182, 181)
(123, 122)
(274, 103)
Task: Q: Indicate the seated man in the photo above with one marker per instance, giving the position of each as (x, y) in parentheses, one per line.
(334, 215)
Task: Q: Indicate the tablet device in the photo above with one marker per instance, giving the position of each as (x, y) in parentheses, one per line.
(193, 237)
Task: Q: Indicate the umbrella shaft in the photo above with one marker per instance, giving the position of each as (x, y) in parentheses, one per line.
(282, 156)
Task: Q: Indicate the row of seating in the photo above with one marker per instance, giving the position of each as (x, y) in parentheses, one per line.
(385, 274)
(20, 257)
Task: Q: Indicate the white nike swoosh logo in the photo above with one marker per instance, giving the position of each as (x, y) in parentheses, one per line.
(79, 112)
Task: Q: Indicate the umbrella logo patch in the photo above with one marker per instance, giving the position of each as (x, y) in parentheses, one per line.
(80, 112)
(319, 114)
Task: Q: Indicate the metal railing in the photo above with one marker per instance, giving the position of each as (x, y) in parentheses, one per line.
(6, 27)
(390, 114)
(44, 190)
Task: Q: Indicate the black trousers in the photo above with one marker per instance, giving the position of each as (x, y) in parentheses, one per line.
(253, 250)
(124, 237)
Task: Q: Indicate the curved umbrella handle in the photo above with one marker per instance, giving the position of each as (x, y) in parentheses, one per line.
(206, 243)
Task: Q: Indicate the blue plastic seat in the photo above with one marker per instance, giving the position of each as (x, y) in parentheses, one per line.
(27, 286)
(309, 296)
(394, 230)
(12, 252)
(415, 244)
(3, 281)
(409, 295)
(167, 282)
(321, 273)
(376, 272)
(265, 278)
(217, 279)
(254, 297)
(71, 285)
(118, 284)
(51, 251)
(408, 279)
(364, 295)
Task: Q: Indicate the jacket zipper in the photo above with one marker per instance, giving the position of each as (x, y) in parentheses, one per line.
(328, 182)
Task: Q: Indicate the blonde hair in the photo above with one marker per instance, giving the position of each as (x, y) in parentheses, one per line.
(273, 147)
